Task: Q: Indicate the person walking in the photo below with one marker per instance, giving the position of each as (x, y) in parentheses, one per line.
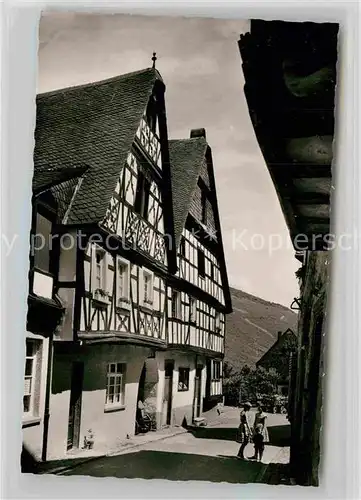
(244, 430)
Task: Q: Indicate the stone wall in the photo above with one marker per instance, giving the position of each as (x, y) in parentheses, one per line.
(306, 422)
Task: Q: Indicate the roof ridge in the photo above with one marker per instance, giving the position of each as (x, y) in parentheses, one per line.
(190, 139)
(98, 83)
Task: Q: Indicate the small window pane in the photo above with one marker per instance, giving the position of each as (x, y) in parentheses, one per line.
(115, 383)
(201, 263)
(29, 348)
(29, 367)
(27, 386)
(26, 404)
(42, 243)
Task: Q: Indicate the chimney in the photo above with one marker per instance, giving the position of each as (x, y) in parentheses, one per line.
(279, 335)
(198, 132)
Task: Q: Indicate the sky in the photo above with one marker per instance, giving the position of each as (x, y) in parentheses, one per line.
(200, 63)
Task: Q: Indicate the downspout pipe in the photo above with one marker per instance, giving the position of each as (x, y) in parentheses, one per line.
(47, 399)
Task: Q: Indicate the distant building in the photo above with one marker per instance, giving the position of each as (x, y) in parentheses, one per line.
(290, 78)
(278, 358)
(129, 303)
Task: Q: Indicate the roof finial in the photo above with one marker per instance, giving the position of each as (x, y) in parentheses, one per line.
(154, 58)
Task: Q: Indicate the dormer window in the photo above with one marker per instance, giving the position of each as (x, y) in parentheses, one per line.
(142, 196)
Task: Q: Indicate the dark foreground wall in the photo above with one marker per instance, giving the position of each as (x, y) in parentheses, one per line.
(290, 78)
(307, 398)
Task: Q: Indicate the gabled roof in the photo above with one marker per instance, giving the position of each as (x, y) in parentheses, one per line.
(94, 125)
(47, 178)
(186, 159)
(286, 334)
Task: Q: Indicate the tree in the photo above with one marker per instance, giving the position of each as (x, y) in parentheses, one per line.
(261, 381)
(248, 383)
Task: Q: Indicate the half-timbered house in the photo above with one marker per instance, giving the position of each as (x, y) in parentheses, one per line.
(115, 250)
(45, 309)
(140, 266)
(198, 295)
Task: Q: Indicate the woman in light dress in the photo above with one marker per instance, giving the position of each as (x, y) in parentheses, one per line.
(260, 419)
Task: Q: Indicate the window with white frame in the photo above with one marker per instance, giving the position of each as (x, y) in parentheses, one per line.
(192, 309)
(217, 322)
(100, 268)
(115, 390)
(176, 304)
(31, 377)
(122, 280)
(183, 379)
(216, 370)
(147, 288)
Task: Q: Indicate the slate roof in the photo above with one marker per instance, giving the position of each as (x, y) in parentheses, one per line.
(186, 160)
(288, 334)
(92, 125)
(47, 178)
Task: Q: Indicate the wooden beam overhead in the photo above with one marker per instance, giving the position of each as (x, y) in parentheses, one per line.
(313, 220)
(300, 198)
(300, 170)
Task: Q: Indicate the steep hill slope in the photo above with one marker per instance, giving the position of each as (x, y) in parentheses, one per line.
(252, 328)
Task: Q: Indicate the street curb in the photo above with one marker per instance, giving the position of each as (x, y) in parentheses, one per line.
(61, 470)
(138, 445)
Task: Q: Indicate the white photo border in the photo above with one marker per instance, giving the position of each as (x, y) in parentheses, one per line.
(341, 463)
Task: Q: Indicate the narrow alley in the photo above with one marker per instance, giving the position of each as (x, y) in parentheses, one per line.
(204, 454)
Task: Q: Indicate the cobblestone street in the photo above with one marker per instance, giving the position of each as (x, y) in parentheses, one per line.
(206, 454)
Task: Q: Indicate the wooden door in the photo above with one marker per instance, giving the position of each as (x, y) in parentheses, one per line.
(197, 392)
(75, 405)
(168, 393)
(208, 379)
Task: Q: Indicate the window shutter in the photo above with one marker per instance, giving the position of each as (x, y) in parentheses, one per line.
(108, 274)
